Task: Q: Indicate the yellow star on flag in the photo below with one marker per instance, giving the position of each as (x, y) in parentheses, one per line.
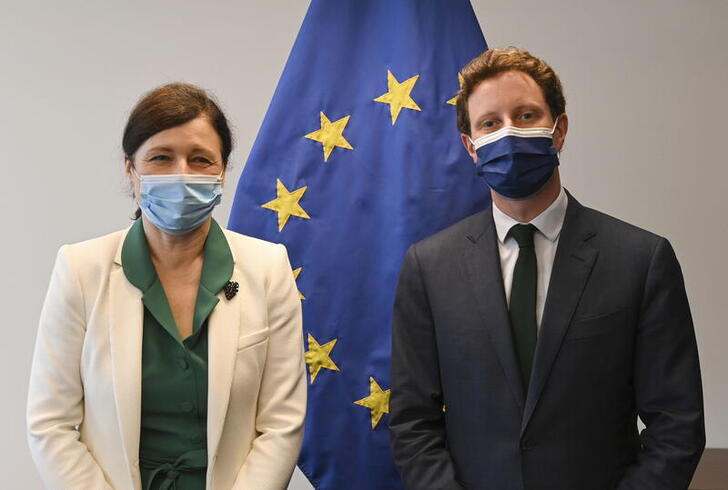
(286, 204)
(296, 273)
(454, 100)
(398, 95)
(377, 401)
(318, 356)
(331, 135)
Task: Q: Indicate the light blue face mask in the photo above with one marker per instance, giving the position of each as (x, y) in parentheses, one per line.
(178, 203)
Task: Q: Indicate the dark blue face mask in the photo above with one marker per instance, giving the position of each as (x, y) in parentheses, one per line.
(516, 162)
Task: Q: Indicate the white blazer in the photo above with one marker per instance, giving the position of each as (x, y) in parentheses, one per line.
(84, 401)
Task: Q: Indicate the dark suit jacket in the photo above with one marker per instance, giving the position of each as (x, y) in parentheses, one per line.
(616, 341)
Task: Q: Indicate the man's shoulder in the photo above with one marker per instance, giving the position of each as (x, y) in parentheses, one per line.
(617, 232)
(450, 239)
(619, 243)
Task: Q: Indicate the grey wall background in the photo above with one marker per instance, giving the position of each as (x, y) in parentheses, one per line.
(646, 95)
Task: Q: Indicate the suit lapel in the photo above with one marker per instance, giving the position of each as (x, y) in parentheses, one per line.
(126, 317)
(223, 331)
(573, 263)
(481, 264)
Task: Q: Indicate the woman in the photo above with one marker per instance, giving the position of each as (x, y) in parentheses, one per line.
(169, 354)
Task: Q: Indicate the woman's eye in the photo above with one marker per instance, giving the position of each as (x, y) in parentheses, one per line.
(527, 116)
(488, 124)
(203, 160)
(159, 157)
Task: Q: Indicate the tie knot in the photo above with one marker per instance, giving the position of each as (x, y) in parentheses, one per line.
(523, 234)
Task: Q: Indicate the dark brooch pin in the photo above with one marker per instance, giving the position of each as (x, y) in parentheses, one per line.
(231, 289)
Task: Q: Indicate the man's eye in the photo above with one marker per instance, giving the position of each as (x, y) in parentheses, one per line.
(488, 124)
(203, 160)
(527, 116)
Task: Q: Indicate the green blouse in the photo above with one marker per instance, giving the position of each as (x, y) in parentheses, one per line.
(173, 439)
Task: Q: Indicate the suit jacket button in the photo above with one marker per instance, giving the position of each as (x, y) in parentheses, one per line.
(527, 444)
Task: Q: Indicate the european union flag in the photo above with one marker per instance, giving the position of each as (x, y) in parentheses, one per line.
(357, 158)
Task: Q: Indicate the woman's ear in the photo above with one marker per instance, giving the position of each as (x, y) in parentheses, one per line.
(131, 180)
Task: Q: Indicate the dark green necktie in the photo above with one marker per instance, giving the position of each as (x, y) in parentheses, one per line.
(523, 299)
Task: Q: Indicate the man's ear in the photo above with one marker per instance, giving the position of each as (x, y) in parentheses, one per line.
(465, 139)
(562, 127)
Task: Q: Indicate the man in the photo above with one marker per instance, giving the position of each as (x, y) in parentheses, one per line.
(527, 338)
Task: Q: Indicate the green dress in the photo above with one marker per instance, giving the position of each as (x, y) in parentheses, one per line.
(173, 439)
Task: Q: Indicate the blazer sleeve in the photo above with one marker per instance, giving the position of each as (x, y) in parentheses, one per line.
(416, 419)
(668, 387)
(282, 398)
(55, 394)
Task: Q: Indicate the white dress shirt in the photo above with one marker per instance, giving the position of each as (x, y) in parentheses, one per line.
(545, 240)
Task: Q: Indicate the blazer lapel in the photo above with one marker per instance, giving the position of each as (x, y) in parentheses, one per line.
(481, 264)
(573, 263)
(126, 317)
(223, 330)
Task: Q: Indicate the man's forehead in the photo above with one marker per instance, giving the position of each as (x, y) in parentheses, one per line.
(505, 91)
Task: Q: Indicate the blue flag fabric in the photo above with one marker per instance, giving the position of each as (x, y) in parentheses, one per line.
(358, 157)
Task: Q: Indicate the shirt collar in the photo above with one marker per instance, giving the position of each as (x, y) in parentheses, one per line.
(549, 222)
(217, 266)
(135, 258)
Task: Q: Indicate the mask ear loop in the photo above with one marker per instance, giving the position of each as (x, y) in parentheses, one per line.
(472, 142)
(553, 130)
(133, 170)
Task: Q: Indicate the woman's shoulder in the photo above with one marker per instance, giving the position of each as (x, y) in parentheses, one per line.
(105, 243)
(95, 251)
(245, 246)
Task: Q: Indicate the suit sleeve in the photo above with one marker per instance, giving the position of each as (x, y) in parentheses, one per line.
(668, 387)
(282, 398)
(55, 394)
(416, 420)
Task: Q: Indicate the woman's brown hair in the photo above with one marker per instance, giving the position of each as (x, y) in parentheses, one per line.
(168, 106)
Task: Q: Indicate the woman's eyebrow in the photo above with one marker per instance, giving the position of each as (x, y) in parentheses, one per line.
(203, 149)
(159, 148)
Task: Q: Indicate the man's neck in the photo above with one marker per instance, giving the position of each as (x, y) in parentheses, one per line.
(524, 210)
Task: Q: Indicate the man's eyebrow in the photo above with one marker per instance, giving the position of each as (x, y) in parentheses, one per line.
(486, 115)
(532, 106)
(528, 105)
